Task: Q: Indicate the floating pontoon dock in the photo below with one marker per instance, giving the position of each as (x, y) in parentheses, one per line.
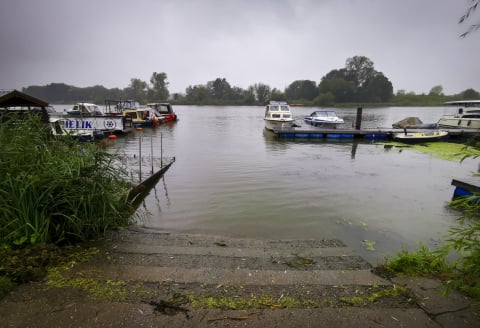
(369, 134)
(358, 132)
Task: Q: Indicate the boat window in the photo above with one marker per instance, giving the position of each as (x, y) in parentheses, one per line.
(164, 109)
(276, 115)
(286, 115)
(284, 108)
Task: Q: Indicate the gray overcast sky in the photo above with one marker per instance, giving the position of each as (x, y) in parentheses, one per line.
(415, 43)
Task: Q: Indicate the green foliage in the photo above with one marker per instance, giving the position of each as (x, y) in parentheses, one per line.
(6, 285)
(56, 190)
(357, 82)
(302, 90)
(420, 262)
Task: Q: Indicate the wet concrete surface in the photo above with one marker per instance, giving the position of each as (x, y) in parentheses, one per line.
(159, 279)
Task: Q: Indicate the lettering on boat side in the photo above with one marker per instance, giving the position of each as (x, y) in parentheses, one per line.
(69, 124)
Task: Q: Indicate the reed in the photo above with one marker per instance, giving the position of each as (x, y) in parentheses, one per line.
(55, 189)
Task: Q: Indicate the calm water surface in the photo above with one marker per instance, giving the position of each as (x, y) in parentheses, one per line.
(234, 179)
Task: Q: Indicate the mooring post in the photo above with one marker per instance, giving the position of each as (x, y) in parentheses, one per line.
(151, 151)
(140, 158)
(358, 120)
(161, 150)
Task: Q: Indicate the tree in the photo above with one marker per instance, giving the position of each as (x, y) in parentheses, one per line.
(436, 91)
(277, 95)
(159, 88)
(197, 93)
(261, 92)
(338, 87)
(302, 90)
(136, 90)
(470, 10)
(219, 88)
(358, 81)
(359, 69)
(376, 89)
(470, 94)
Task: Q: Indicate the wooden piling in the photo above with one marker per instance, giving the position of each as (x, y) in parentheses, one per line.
(358, 120)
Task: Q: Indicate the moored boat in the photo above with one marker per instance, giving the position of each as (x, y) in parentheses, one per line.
(84, 109)
(278, 116)
(58, 126)
(424, 136)
(467, 115)
(144, 117)
(165, 109)
(324, 118)
(139, 116)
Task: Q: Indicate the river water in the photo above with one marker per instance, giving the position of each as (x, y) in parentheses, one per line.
(232, 178)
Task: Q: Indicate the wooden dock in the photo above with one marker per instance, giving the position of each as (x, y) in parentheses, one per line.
(368, 134)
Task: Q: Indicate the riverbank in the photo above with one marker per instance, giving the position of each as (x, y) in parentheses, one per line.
(149, 278)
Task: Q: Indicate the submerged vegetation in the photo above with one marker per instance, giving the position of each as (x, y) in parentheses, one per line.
(53, 191)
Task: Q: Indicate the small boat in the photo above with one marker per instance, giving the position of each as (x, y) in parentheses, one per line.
(278, 116)
(144, 117)
(426, 136)
(132, 111)
(166, 110)
(467, 115)
(324, 118)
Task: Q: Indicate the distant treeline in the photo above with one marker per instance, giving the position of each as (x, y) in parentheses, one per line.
(358, 83)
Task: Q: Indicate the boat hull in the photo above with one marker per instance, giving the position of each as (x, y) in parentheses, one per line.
(278, 124)
(420, 136)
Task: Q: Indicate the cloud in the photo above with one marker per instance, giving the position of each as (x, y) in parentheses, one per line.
(415, 44)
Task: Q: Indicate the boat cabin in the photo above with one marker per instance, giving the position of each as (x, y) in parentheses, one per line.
(464, 106)
(85, 109)
(165, 109)
(278, 110)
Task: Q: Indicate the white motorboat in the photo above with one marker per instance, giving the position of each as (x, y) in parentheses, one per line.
(466, 116)
(278, 116)
(58, 126)
(324, 118)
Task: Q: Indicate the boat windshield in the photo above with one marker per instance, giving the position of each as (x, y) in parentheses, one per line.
(324, 114)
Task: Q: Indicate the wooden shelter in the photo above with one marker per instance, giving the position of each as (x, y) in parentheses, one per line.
(19, 102)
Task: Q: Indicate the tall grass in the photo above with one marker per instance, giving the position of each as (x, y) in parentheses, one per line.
(56, 190)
